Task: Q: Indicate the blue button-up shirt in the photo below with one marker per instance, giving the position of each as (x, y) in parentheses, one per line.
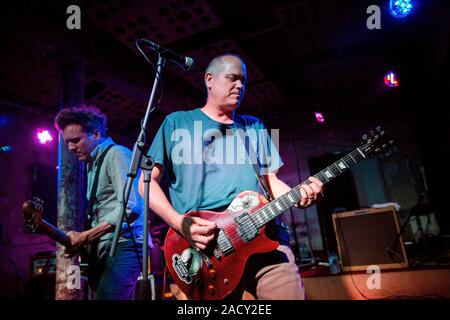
(111, 183)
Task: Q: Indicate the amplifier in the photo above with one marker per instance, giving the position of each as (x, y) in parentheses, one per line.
(369, 237)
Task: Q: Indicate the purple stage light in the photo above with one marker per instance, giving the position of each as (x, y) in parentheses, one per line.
(44, 136)
(319, 117)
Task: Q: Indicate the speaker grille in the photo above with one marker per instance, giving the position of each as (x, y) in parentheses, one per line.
(369, 237)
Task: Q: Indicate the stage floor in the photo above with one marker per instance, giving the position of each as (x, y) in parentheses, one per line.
(393, 284)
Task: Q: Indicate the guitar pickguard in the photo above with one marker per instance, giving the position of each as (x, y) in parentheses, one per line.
(246, 202)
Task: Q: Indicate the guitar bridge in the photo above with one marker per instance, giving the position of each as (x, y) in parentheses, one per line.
(225, 246)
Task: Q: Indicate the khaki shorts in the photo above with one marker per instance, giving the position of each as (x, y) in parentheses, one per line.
(271, 276)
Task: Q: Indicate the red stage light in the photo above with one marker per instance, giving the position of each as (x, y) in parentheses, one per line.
(319, 117)
(391, 79)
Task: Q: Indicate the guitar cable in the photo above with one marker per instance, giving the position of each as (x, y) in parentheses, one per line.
(132, 236)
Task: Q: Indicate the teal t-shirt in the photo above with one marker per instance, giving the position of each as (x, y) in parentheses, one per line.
(205, 160)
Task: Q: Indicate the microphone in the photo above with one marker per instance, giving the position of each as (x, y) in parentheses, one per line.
(6, 149)
(187, 63)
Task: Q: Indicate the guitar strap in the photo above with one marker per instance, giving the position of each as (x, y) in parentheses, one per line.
(251, 153)
(277, 229)
(92, 196)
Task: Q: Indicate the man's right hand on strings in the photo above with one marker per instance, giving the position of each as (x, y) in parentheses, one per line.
(199, 232)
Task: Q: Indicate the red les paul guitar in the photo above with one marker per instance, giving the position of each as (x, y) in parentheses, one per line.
(215, 272)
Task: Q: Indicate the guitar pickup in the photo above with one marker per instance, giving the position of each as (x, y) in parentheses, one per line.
(246, 228)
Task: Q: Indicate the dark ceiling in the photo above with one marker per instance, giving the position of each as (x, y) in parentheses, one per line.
(301, 56)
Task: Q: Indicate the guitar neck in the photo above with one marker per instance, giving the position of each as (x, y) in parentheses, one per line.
(56, 234)
(292, 197)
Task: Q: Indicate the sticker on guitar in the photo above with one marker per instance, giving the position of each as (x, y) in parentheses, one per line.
(187, 265)
(246, 202)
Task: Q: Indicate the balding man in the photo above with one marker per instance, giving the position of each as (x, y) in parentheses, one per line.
(199, 151)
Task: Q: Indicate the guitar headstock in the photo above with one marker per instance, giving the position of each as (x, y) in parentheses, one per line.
(378, 142)
(32, 213)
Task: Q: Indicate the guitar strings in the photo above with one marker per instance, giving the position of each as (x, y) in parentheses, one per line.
(259, 215)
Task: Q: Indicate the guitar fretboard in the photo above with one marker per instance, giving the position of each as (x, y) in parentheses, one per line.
(292, 197)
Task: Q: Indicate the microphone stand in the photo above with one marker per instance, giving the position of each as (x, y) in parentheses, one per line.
(312, 259)
(391, 249)
(145, 289)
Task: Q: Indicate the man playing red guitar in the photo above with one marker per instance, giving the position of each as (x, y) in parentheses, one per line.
(194, 148)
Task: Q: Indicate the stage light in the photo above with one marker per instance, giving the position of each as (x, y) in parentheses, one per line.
(44, 136)
(391, 79)
(4, 120)
(400, 8)
(319, 117)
